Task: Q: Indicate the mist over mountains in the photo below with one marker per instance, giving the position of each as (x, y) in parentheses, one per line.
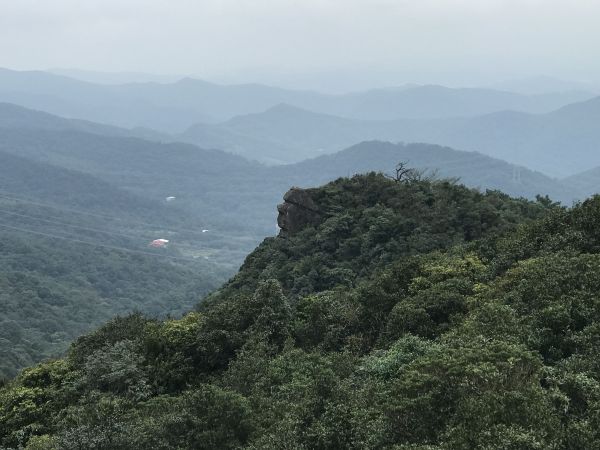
(341, 224)
(202, 178)
(287, 134)
(105, 169)
(543, 85)
(175, 106)
(276, 126)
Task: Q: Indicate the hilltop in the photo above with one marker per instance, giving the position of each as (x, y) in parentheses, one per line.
(471, 168)
(403, 314)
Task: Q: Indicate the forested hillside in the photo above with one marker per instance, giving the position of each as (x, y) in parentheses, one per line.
(69, 187)
(74, 253)
(299, 225)
(403, 314)
(233, 196)
(50, 184)
(213, 190)
(471, 168)
(54, 290)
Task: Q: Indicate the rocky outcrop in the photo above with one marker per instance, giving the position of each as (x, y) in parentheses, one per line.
(297, 211)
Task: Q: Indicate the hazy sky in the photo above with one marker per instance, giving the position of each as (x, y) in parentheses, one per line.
(322, 43)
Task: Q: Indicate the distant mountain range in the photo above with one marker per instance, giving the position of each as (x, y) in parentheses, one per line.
(175, 106)
(100, 77)
(81, 200)
(55, 185)
(544, 85)
(225, 191)
(283, 134)
(559, 143)
(469, 168)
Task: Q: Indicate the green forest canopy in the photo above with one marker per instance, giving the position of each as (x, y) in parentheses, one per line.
(53, 291)
(417, 315)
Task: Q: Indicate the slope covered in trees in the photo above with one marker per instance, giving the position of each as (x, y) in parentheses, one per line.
(471, 168)
(50, 184)
(74, 253)
(54, 290)
(224, 192)
(214, 190)
(411, 315)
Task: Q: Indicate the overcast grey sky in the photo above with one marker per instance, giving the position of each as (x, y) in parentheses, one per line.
(308, 42)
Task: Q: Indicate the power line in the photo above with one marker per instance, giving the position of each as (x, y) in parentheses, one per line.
(95, 244)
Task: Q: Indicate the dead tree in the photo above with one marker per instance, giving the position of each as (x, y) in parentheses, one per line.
(402, 172)
(405, 174)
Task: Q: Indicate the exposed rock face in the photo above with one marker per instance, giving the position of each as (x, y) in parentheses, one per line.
(297, 211)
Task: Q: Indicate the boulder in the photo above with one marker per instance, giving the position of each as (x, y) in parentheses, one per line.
(297, 211)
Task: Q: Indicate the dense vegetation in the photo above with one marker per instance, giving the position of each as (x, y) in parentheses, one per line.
(470, 168)
(417, 315)
(74, 253)
(218, 191)
(52, 292)
(369, 222)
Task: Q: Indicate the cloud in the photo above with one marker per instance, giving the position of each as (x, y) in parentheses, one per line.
(220, 37)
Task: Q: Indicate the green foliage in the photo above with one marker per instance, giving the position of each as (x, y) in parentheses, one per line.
(53, 292)
(371, 222)
(415, 316)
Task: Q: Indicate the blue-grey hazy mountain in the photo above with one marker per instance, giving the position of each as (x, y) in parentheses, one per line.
(174, 107)
(586, 182)
(470, 168)
(282, 134)
(15, 116)
(18, 117)
(113, 105)
(230, 194)
(100, 77)
(544, 85)
(202, 179)
(433, 101)
(559, 143)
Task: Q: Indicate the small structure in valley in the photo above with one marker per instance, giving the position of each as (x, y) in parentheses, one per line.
(159, 243)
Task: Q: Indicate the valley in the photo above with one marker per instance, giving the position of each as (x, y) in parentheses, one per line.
(145, 282)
